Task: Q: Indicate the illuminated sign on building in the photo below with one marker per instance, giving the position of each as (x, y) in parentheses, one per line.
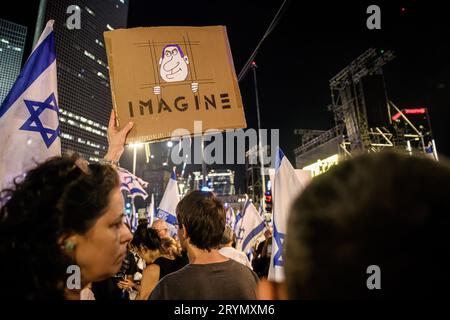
(409, 111)
(321, 166)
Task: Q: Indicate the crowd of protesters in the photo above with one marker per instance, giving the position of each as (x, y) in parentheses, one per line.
(389, 209)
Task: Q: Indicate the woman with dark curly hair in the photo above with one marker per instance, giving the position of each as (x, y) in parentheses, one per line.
(65, 216)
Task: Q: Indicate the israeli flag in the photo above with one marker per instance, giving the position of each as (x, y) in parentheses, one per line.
(134, 218)
(230, 217)
(287, 185)
(430, 150)
(29, 126)
(168, 205)
(252, 227)
(238, 231)
(237, 223)
(132, 184)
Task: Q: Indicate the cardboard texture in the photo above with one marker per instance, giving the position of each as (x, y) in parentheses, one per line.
(165, 78)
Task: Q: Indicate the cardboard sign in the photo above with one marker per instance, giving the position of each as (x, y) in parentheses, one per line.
(165, 78)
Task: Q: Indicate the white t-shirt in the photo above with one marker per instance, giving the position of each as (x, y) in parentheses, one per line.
(86, 294)
(236, 255)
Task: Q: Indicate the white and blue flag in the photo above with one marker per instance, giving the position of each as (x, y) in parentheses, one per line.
(132, 184)
(237, 223)
(29, 126)
(230, 217)
(287, 185)
(238, 230)
(168, 204)
(252, 227)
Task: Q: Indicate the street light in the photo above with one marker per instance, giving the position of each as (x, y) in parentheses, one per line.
(170, 144)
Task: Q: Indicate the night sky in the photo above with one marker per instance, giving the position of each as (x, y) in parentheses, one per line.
(311, 44)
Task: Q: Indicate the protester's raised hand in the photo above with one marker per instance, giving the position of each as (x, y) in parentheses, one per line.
(116, 138)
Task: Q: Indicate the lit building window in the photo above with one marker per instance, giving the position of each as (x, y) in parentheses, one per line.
(82, 126)
(99, 43)
(66, 136)
(90, 55)
(90, 11)
(101, 75)
(100, 62)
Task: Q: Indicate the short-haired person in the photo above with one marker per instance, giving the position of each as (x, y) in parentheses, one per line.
(227, 249)
(388, 210)
(209, 275)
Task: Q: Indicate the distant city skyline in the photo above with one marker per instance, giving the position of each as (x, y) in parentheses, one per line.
(12, 45)
(324, 40)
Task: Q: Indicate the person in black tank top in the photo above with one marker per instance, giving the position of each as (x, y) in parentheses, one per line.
(171, 259)
(163, 256)
(166, 266)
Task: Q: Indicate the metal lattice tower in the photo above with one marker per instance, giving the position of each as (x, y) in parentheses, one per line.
(349, 105)
(366, 120)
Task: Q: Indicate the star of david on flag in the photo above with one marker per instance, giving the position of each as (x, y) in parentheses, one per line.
(34, 123)
(279, 240)
(29, 126)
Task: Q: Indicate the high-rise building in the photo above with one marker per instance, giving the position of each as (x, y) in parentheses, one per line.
(83, 77)
(12, 43)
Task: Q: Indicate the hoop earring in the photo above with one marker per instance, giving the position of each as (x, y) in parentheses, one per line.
(69, 246)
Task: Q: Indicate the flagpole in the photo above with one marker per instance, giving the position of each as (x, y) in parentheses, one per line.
(135, 147)
(203, 161)
(260, 151)
(134, 158)
(133, 215)
(40, 21)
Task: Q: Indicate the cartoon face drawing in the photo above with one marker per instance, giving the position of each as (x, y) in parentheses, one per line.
(173, 64)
